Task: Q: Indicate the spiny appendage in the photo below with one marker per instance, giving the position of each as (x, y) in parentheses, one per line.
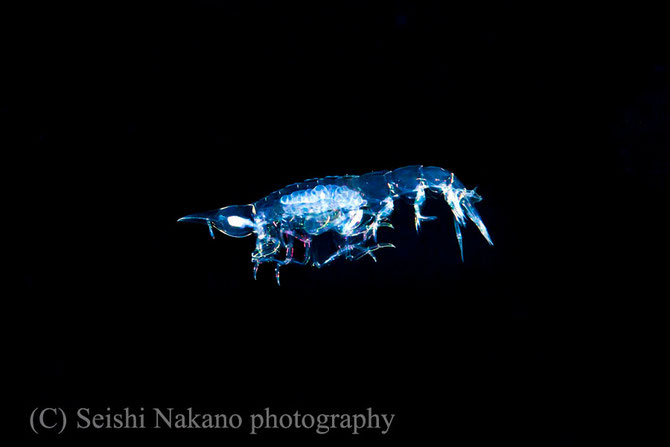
(418, 204)
(287, 238)
(353, 252)
(374, 227)
(357, 246)
(350, 250)
(461, 201)
(380, 220)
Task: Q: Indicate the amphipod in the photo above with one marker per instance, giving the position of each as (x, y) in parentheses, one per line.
(349, 207)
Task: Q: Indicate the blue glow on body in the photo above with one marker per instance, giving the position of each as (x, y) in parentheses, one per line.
(351, 208)
(321, 199)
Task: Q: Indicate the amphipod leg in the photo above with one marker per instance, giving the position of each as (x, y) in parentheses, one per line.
(453, 198)
(461, 203)
(288, 258)
(381, 220)
(374, 226)
(211, 228)
(256, 264)
(418, 204)
(307, 246)
(459, 236)
(473, 215)
(348, 249)
(277, 265)
(368, 251)
(342, 251)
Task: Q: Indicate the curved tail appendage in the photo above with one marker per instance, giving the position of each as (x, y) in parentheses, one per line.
(461, 201)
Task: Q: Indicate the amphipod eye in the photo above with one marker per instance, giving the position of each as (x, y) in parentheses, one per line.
(235, 221)
(239, 222)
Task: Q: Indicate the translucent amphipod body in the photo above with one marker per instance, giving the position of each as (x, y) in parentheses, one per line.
(350, 207)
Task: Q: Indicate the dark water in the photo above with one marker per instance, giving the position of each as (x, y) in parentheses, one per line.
(135, 116)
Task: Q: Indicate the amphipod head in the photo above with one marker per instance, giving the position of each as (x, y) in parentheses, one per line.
(235, 220)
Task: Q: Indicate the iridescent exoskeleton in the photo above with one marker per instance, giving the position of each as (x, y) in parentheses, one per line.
(349, 207)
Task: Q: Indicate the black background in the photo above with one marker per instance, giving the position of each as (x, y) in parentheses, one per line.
(125, 118)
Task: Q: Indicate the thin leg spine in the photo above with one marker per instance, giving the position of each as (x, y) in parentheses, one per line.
(459, 236)
(418, 204)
